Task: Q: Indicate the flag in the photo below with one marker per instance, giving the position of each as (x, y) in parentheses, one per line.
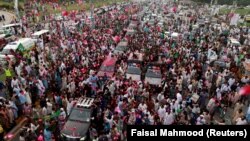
(85, 42)
(80, 2)
(65, 13)
(174, 9)
(109, 31)
(230, 15)
(245, 90)
(116, 39)
(20, 47)
(235, 19)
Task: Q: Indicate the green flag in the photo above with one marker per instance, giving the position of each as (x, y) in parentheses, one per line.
(173, 45)
(56, 114)
(20, 48)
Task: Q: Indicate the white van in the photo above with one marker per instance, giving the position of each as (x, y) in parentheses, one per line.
(175, 35)
(234, 42)
(22, 45)
(7, 29)
(41, 37)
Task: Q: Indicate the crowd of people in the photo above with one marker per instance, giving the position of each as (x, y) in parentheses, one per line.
(46, 83)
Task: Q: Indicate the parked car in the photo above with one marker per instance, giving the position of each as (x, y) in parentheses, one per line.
(153, 75)
(108, 66)
(77, 125)
(22, 45)
(122, 47)
(134, 71)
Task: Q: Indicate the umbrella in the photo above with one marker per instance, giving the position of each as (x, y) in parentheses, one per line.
(245, 90)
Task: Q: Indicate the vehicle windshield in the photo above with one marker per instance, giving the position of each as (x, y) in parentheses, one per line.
(5, 51)
(80, 114)
(107, 68)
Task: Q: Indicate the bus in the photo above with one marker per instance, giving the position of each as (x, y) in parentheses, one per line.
(41, 37)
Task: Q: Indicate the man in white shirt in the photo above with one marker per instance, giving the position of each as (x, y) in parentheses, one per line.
(49, 106)
(14, 82)
(160, 97)
(44, 111)
(179, 97)
(168, 118)
(142, 106)
(241, 121)
(162, 112)
(245, 80)
(231, 81)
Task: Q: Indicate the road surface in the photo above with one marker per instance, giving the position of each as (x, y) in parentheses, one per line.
(8, 17)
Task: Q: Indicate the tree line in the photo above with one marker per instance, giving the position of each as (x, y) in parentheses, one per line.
(229, 2)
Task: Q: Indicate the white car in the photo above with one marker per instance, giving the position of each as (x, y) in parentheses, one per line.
(212, 56)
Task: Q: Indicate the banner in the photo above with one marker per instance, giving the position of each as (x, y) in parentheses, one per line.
(234, 20)
(189, 132)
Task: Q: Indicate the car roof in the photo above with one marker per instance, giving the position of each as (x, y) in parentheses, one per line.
(153, 73)
(11, 25)
(109, 62)
(38, 33)
(123, 43)
(85, 102)
(133, 70)
(14, 45)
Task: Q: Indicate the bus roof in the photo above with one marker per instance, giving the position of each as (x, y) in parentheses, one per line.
(14, 45)
(11, 25)
(38, 33)
(175, 34)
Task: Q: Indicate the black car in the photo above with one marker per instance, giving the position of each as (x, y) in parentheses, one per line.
(77, 125)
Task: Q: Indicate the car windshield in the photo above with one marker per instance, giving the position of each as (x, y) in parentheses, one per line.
(107, 68)
(5, 51)
(80, 114)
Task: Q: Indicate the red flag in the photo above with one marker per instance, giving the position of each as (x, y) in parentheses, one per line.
(109, 31)
(158, 28)
(230, 15)
(174, 9)
(245, 90)
(85, 42)
(65, 13)
(116, 39)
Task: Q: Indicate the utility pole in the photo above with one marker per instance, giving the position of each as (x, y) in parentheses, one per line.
(16, 9)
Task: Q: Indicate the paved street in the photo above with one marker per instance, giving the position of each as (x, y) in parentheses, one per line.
(8, 17)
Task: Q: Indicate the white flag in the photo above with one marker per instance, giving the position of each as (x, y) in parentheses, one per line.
(235, 19)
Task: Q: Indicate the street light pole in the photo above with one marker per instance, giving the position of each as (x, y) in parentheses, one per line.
(16, 9)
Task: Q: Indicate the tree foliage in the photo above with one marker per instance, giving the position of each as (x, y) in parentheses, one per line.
(229, 2)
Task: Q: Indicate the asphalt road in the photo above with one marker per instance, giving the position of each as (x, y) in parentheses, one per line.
(8, 17)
